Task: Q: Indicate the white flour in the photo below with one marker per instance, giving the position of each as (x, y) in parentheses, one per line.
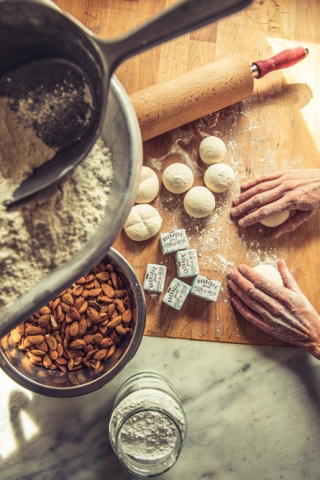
(147, 435)
(38, 236)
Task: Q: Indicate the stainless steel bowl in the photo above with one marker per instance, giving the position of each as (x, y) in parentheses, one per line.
(122, 136)
(42, 381)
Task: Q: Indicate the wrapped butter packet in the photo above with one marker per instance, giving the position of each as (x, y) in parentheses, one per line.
(176, 294)
(205, 288)
(187, 263)
(154, 278)
(174, 241)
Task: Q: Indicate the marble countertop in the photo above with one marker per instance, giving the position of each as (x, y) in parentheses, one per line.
(253, 413)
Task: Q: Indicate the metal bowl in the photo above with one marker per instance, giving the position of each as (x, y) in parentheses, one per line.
(121, 134)
(48, 382)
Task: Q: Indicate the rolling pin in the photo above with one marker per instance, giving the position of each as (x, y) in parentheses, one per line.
(202, 91)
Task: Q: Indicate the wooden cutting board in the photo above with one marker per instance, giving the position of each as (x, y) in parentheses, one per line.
(277, 128)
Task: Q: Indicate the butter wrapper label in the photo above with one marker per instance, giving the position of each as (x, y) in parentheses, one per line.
(187, 263)
(154, 278)
(174, 241)
(205, 288)
(176, 294)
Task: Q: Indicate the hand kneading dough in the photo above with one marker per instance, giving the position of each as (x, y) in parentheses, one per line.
(142, 223)
(199, 202)
(270, 273)
(177, 178)
(212, 150)
(276, 219)
(149, 186)
(218, 178)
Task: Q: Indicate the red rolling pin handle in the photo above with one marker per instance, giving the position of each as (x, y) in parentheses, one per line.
(284, 59)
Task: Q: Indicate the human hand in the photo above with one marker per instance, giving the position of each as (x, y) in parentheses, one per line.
(294, 190)
(283, 312)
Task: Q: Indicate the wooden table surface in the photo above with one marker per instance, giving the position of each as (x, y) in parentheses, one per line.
(277, 128)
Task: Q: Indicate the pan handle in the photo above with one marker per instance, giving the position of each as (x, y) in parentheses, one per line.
(174, 21)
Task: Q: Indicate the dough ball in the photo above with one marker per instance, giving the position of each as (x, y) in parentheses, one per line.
(143, 222)
(177, 178)
(148, 187)
(276, 219)
(219, 177)
(199, 202)
(270, 273)
(212, 150)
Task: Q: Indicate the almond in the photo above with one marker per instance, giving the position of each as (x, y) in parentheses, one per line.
(74, 328)
(100, 354)
(105, 299)
(78, 343)
(78, 289)
(16, 337)
(32, 330)
(106, 342)
(55, 303)
(107, 290)
(114, 279)
(82, 327)
(121, 330)
(67, 299)
(44, 320)
(51, 341)
(44, 311)
(78, 302)
(83, 307)
(92, 314)
(115, 322)
(118, 303)
(119, 293)
(35, 338)
(94, 292)
(103, 276)
(73, 313)
(47, 362)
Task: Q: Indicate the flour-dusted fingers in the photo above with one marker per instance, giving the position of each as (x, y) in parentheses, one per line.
(249, 314)
(270, 327)
(262, 213)
(292, 223)
(287, 277)
(264, 178)
(256, 197)
(254, 297)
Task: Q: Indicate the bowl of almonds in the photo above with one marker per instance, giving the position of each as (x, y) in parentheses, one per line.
(83, 337)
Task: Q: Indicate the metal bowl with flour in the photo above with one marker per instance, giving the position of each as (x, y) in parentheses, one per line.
(121, 134)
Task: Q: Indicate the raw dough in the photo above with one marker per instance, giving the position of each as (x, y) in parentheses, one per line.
(212, 150)
(177, 178)
(199, 202)
(270, 273)
(143, 222)
(148, 187)
(218, 178)
(276, 219)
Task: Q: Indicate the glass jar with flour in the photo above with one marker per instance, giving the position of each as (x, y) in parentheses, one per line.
(148, 425)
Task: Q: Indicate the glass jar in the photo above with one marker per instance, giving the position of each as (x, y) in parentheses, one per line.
(148, 425)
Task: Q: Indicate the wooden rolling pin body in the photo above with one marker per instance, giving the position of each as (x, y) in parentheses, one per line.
(197, 93)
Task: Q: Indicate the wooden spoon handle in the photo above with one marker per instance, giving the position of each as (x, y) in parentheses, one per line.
(197, 93)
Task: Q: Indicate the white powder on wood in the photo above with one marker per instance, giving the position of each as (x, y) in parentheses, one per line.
(40, 235)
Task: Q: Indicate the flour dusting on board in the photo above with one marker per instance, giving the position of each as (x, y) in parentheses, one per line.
(217, 238)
